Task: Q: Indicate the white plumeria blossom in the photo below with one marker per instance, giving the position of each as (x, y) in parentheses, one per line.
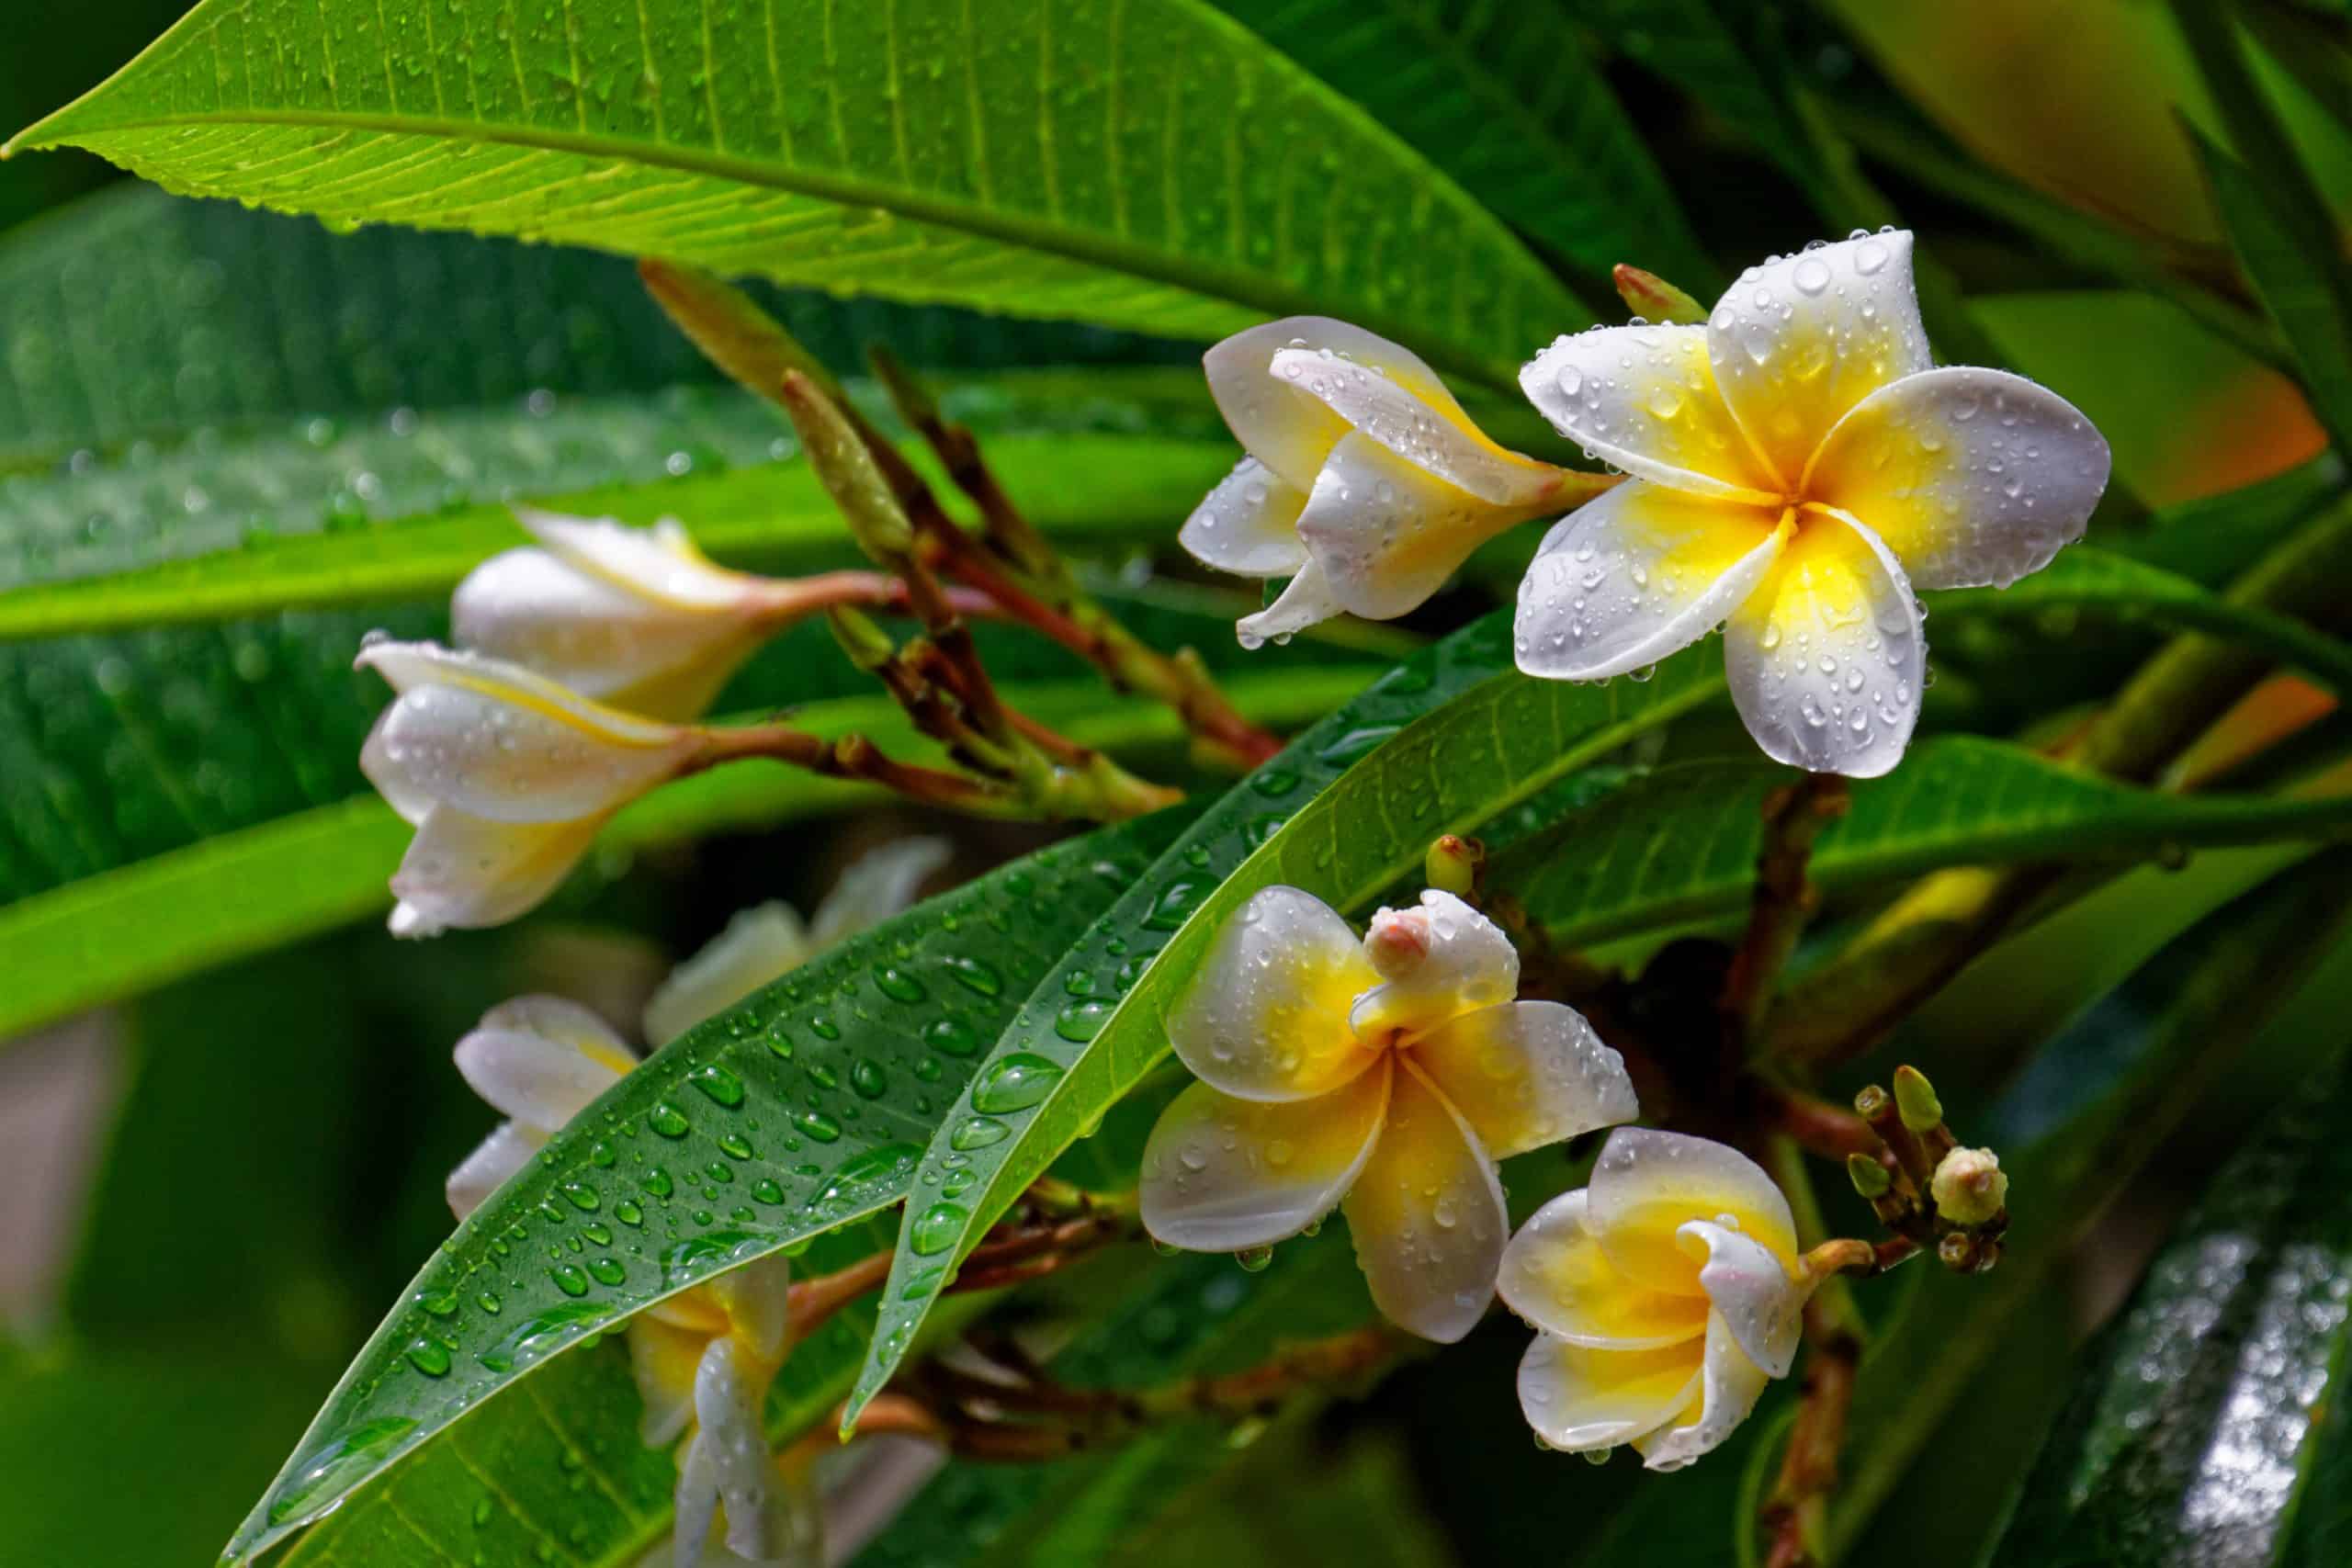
(1664, 1295)
(1365, 483)
(1799, 465)
(635, 617)
(767, 940)
(1387, 1076)
(505, 774)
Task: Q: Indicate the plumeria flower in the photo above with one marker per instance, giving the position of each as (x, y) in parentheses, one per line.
(1666, 1295)
(1367, 484)
(635, 617)
(507, 776)
(767, 940)
(1799, 466)
(1389, 1075)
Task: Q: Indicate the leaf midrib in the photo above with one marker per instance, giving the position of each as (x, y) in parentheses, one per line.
(1088, 246)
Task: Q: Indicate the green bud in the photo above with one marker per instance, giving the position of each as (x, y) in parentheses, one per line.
(1451, 865)
(1915, 1099)
(1653, 298)
(847, 470)
(1970, 1187)
(867, 645)
(1869, 1178)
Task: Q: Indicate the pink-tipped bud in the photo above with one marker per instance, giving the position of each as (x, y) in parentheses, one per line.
(1398, 942)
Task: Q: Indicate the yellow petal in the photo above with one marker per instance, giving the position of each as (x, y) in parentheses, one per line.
(1555, 1276)
(1579, 1398)
(1647, 1184)
(1281, 422)
(1266, 1015)
(1221, 1174)
(1797, 341)
(1388, 534)
(1644, 398)
(1636, 574)
(1729, 1386)
(664, 1357)
(1427, 1215)
(1827, 660)
(1972, 476)
(1527, 1074)
(1397, 402)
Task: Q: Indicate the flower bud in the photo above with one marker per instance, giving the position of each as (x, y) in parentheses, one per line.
(1869, 1178)
(848, 472)
(1451, 865)
(1915, 1099)
(1970, 1187)
(1655, 299)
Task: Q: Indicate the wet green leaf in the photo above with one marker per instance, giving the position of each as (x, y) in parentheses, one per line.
(1150, 166)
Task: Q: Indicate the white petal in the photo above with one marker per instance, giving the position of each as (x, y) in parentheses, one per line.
(1971, 476)
(1759, 1303)
(541, 1083)
(498, 747)
(1435, 959)
(1266, 1014)
(400, 792)
(1281, 422)
(1525, 1075)
(696, 1501)
(729, 1394)
(467, 873)
(1647, 1184)
(1427, 1215)
(760, 944)
(1827, 661)
(1387, 534)
(1304, 601)
(1730, 1386)
(757, 1299)
(496, 1159)
(1555, 1276)
(664, 1359)
(1643, 398)
(1220, 1174)
(658, 563)
(1440, 440)
(1577, 1398)
(1248, 524)
(532, 608)
(877, 884)
(1797, 341)
(562, 1019)
(1636, 574)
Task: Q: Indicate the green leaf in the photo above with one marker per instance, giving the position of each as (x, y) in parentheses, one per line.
(1728, 63)
(1680, 846)
(1509, 101)
(1149, 165)
(95, 938)
(2194, 1431)
(1450, 741)
(2086, 1112)
(791, 1115)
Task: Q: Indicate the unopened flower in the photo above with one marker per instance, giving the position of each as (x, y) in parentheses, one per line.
(1798, 468)
(507, 776)
(704, 1359)
(635, 617)
(1970, 1186)
(1666, 1294)
(1388, 1074)
(1367, 484)
(769, 939)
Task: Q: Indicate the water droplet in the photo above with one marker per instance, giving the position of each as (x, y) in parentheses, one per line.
(867, 1077)
(667, 1119)
(952, 1037)
(974, 974)
(1081, 1022)
(936, 1228)
(978, 1133)
(1014, 1083)
(720, 1086)
(897, 984)
(816, 1124)
(428, 1356)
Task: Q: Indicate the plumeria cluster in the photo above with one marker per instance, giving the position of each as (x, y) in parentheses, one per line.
(705, 1357)
(1796, 468)
(1385, 1078)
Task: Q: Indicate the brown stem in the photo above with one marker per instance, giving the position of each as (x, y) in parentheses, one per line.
(1793, 819)
(1830, 1130)
(1796, 1515)
(850, 757)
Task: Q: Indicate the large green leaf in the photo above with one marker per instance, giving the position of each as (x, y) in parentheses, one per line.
(1680, 846)
(1509, 101)
(1149, 166)
(2193, 1435)
(1450, 741)
(2086, 1112)
(789, 1115)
